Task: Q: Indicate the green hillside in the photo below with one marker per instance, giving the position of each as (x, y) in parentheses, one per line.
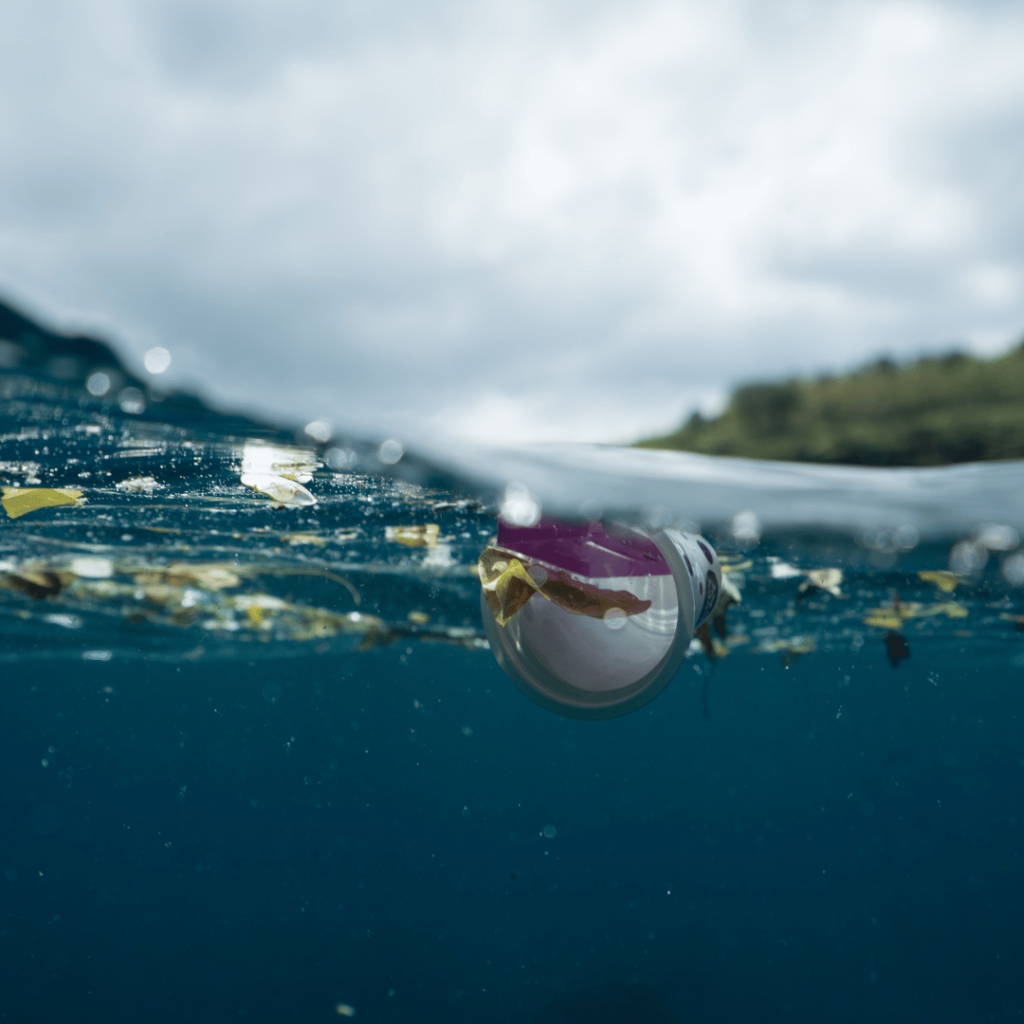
(936, 411)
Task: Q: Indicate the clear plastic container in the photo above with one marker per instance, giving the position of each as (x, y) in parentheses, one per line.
(592, 620)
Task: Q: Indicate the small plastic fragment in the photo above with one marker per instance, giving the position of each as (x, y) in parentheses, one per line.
(138, 485)
(822, 579)
(17, 501)
(281, 489)
(279, 472)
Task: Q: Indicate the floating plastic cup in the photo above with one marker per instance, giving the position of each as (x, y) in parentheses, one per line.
(592, 620)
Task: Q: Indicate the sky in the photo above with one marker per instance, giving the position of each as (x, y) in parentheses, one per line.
(513, 222)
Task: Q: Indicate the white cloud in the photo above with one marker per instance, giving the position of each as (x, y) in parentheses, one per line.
(592, 217)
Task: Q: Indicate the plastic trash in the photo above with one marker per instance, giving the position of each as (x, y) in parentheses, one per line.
(592, 620)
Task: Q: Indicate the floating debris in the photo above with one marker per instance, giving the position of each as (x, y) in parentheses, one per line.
(509, 583)
(414, 536)
(281, 489)
(780, 570)
(894, 616)
(947, 582)
(710, 645)
(818, 580)
(279, 472)
(92, 567)
(208, 576)
(299, 539)
(897, 648)
(138, 485)
(17, 501)
(790, 648)
(35, 584)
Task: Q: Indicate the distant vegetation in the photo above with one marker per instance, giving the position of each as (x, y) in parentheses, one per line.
(937, 411)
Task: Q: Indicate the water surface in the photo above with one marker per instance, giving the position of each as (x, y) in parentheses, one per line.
(259, 763)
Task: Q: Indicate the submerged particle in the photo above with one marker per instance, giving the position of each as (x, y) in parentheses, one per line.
(549, 831)
(344, 1010)
(897, 648)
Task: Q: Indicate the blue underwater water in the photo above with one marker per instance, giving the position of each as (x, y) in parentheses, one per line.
(258, 763)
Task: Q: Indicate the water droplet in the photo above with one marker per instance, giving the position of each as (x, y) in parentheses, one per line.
(390, 452)
(615, 618)
(157, 359)
(98, 384)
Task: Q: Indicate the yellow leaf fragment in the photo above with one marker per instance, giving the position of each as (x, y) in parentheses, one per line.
(731, 566)
(884, 618)
(19, 500)
(297, 539)
(507, 588)
(945, 581)
(414, 536)
(893, 618)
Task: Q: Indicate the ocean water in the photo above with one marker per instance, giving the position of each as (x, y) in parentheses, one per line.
(259, 764)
